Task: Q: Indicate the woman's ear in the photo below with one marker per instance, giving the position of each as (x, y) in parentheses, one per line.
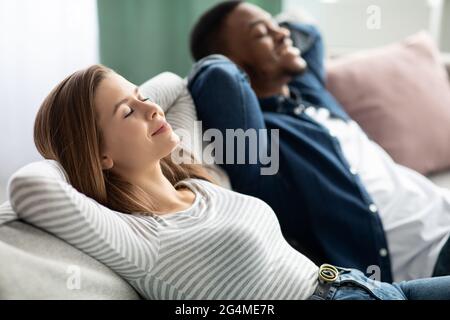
(107, 162)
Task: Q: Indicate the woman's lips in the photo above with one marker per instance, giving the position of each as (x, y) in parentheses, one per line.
(161, 129)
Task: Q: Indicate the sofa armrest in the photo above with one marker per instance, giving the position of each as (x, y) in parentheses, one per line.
(37, 265)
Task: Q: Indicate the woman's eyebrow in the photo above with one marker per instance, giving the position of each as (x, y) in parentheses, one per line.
(118, 104)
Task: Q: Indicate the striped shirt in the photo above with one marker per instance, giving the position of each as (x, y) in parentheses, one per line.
(226, 245)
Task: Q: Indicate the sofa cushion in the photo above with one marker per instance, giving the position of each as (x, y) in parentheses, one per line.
(400, 95)
(36, 265)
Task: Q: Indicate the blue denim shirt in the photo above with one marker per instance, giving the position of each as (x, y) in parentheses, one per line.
(323, 208)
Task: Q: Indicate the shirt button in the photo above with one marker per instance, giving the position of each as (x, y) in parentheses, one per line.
(373, 208)
(353, 171)
(298, 110)
(310, 111)
(324, 113)
(383, 252)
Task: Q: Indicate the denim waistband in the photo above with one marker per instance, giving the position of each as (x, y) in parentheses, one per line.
(353, 284)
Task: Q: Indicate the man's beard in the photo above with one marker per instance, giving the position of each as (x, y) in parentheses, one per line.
(294, 70)
(294, 73)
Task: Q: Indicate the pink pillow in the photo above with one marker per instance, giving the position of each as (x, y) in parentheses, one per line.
(400, 96)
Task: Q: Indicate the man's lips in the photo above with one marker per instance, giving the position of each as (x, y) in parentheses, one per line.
(287, 46)
(161, 128)
(288, 49)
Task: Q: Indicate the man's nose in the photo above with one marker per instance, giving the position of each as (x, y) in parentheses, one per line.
(282, 33)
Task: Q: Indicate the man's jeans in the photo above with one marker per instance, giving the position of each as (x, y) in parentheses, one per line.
(353, 285)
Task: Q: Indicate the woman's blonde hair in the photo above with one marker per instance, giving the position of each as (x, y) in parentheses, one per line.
(66, 130)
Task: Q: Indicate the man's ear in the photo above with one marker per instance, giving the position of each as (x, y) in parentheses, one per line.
(107, 162)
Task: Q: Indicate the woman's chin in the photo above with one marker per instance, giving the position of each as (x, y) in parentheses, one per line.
(173, 141)
(175, 138)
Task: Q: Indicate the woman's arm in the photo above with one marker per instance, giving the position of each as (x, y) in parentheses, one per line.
(7, 213)
(40, 195)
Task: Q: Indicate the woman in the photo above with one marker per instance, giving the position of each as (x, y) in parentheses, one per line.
(176, 235)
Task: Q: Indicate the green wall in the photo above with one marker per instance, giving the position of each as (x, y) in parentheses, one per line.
(141, 38)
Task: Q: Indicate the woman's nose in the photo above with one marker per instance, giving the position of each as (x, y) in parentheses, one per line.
(152, 110)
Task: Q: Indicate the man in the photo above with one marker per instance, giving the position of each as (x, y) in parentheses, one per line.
(338, 196)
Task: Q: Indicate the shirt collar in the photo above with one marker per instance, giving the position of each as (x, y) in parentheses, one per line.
(280, 103)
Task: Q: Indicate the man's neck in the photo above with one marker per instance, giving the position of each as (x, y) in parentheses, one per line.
(269, 88)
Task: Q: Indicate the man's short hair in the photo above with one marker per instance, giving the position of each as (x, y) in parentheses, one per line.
(206, 35)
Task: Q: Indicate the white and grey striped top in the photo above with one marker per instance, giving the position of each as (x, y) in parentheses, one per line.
(225, 246)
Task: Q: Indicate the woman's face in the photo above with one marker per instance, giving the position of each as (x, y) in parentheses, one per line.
(135, 133)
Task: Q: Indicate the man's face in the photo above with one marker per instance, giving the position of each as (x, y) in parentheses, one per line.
(259, 45)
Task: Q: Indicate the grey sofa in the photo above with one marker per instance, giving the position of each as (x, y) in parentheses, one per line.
(37, 265)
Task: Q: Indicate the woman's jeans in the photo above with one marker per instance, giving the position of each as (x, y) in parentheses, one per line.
(353, 285)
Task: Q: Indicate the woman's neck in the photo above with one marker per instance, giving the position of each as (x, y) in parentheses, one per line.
(166, 197)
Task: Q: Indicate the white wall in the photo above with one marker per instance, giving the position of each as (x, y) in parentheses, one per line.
(344, 23)
(41, 42)
(445, 32)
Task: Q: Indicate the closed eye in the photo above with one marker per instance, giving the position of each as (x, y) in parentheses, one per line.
(262, 35)
(129, 113)
(132, 110)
